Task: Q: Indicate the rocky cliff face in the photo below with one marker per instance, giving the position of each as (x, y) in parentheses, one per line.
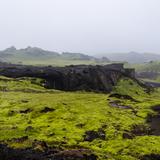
(71, 78)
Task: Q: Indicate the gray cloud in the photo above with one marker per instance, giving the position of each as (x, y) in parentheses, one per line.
(91, 26)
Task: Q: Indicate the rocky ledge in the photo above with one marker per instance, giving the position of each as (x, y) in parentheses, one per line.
(71, 78)
(7, 153)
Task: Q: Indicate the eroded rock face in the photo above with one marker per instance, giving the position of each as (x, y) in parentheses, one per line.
(151, 157)
(7, 153)
(71, 78)
(81, 154)
(154, 121)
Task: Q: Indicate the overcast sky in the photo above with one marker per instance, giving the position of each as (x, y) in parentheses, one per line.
(89, 26)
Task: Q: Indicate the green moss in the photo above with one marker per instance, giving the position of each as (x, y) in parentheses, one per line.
(75, 113)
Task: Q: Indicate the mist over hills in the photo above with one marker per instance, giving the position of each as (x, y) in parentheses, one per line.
(133, 57)
(38, 56)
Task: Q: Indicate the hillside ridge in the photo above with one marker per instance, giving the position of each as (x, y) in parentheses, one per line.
(38, 56)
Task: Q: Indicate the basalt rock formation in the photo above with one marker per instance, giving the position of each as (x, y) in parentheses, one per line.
(71, 78)
(7, 153)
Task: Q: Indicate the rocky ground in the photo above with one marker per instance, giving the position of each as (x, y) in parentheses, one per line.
(46, 124)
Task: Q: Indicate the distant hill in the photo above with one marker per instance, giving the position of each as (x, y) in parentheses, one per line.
(76, 56)
(147, 71)
(133, 57)
(152, 66)
(38, 56)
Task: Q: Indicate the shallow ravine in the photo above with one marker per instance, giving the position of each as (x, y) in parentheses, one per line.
(154, 121)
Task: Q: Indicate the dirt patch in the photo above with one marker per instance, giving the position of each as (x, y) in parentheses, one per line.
(24, 101)
(155, 125)
(118, 105)
(141, 130)
(156, 108)
(154, 121)
(29, 128)
(83, 154)
(49, 154)
(80, 125)
(152, 127)
(40, 146)
(91, 135)
(120, 96)
(28, 110)
(137, 130)
(47, 109)
(151, 157)
(11, 113)
(19, 140)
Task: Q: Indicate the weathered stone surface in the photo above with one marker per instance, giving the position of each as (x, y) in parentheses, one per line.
(71, 78)
(46, 153)
(81, 154)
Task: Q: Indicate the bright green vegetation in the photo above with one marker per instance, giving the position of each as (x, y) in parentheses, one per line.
(21, 84)
(22, 104)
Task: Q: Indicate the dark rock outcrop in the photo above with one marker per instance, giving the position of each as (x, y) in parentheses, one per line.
(7, 153)
(120, 96)
(137, 130)
(151, 157)
(71, 78)
(81, 154)
(153, 84)
(28, 110)
(117, 104)
(154, 121)
(47, 109)
(91, 135)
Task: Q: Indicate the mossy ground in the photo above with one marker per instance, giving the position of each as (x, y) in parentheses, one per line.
(73, 114)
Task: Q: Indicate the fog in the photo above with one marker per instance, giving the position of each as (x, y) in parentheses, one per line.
(88, 26)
